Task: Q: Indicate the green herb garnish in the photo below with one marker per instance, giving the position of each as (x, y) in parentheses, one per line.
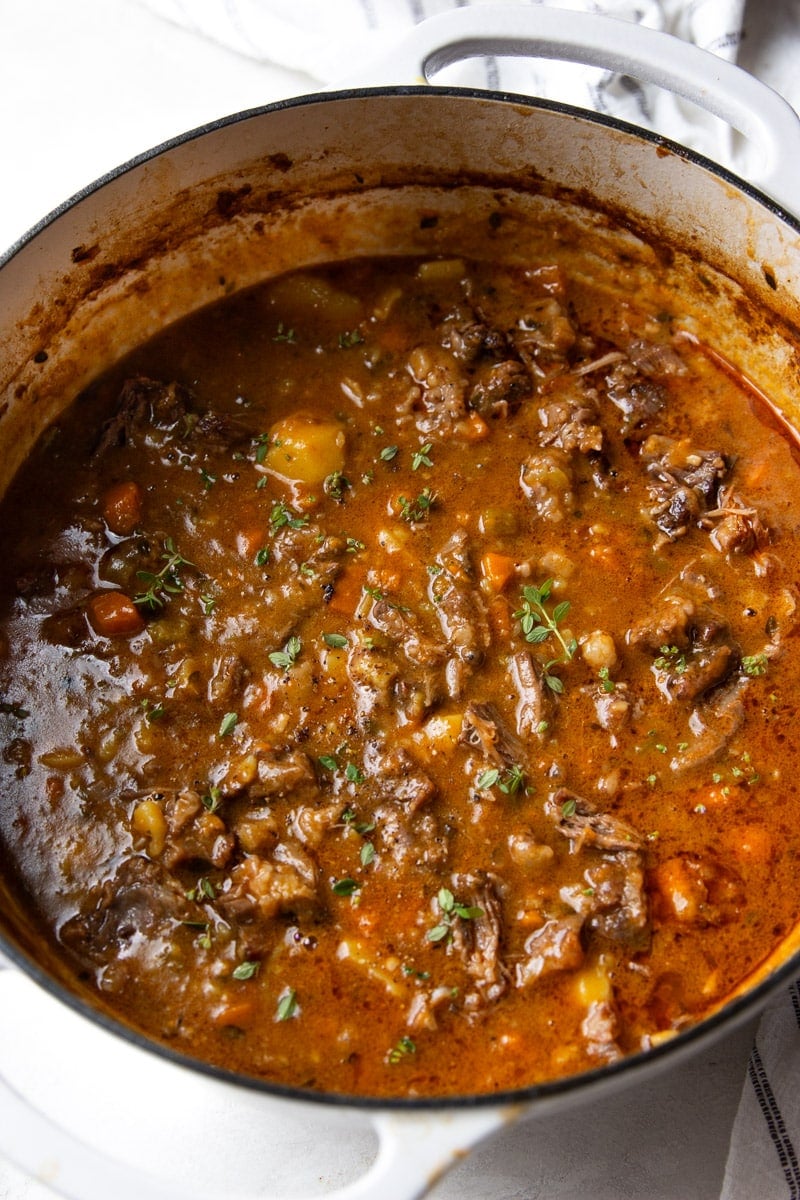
(538, 625)
(286, 658)
(164, 583)
(450, 909)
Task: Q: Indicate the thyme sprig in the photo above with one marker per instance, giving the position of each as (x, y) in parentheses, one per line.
(538, 625)
(450, 910)
(164, 583)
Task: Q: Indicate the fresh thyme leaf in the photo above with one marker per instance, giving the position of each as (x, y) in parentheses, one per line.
(754, 664)
(487, 779)
(285, 659)
(353, 337)
(245, 970)
(337, 641)
(417, 510)
(438, 932)
(212, 799)
(228, 724)
(353, 774)
(262, 556)
(404, 1047)
(345, 887)
(335, 485)
(284, 335)
(606, 682)
(388, 453)
(420, 458)
(152, 712)
(367, 855)
(538, 624)
(328, 762)
(670, 659)
(287, 1005)
(164, 583)
(281, 515)
(451, 910)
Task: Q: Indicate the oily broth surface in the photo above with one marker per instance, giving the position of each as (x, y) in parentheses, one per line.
(326, 913)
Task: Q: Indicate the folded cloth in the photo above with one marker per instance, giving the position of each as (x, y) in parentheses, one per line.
(763, 1156)
(324, 39)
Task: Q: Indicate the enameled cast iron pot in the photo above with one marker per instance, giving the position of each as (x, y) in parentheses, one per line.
(351, 173)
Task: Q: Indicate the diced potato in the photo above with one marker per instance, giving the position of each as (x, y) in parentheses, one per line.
(593, 986)
(150, 823)
(305, 448)
(441, 732)
(334, 664)
(296, 297)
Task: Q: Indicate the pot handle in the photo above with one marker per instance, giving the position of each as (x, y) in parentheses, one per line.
(414, 1150)
(719, 87)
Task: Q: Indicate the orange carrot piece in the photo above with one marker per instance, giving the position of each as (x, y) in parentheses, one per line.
(122, 507)
(496, 570)
(347, 590)
(113, 614)
(234, 1014)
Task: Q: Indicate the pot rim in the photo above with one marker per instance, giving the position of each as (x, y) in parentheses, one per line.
(402, 90)
(735, 1011)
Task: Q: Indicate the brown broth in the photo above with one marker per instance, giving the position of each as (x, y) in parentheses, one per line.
(294, 807)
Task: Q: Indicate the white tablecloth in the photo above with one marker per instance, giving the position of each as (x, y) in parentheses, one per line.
(84, 86)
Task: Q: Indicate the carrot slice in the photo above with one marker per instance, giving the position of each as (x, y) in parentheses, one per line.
(113, 614)
(496, 570)
(347, 591)
(122, 507)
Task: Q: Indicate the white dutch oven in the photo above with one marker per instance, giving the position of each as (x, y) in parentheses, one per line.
(415, 170)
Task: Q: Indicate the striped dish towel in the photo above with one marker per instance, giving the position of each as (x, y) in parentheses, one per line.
(763, 1160)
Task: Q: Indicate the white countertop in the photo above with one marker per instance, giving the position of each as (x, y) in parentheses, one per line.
(83, 87)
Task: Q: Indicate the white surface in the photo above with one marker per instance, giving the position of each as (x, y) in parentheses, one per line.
(84, 85)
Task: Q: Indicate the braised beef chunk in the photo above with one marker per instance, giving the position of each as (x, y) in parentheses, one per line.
(555, 946)
(533, 698)
(460, 609)
(499, 388)
(144, 406)
(407, 709)
(638, 399)
(140, 900)
(570, 417)
(735, 527)
(685, 482)
(483, 730)
(478, 939)
(579, 821)
(695, 649)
